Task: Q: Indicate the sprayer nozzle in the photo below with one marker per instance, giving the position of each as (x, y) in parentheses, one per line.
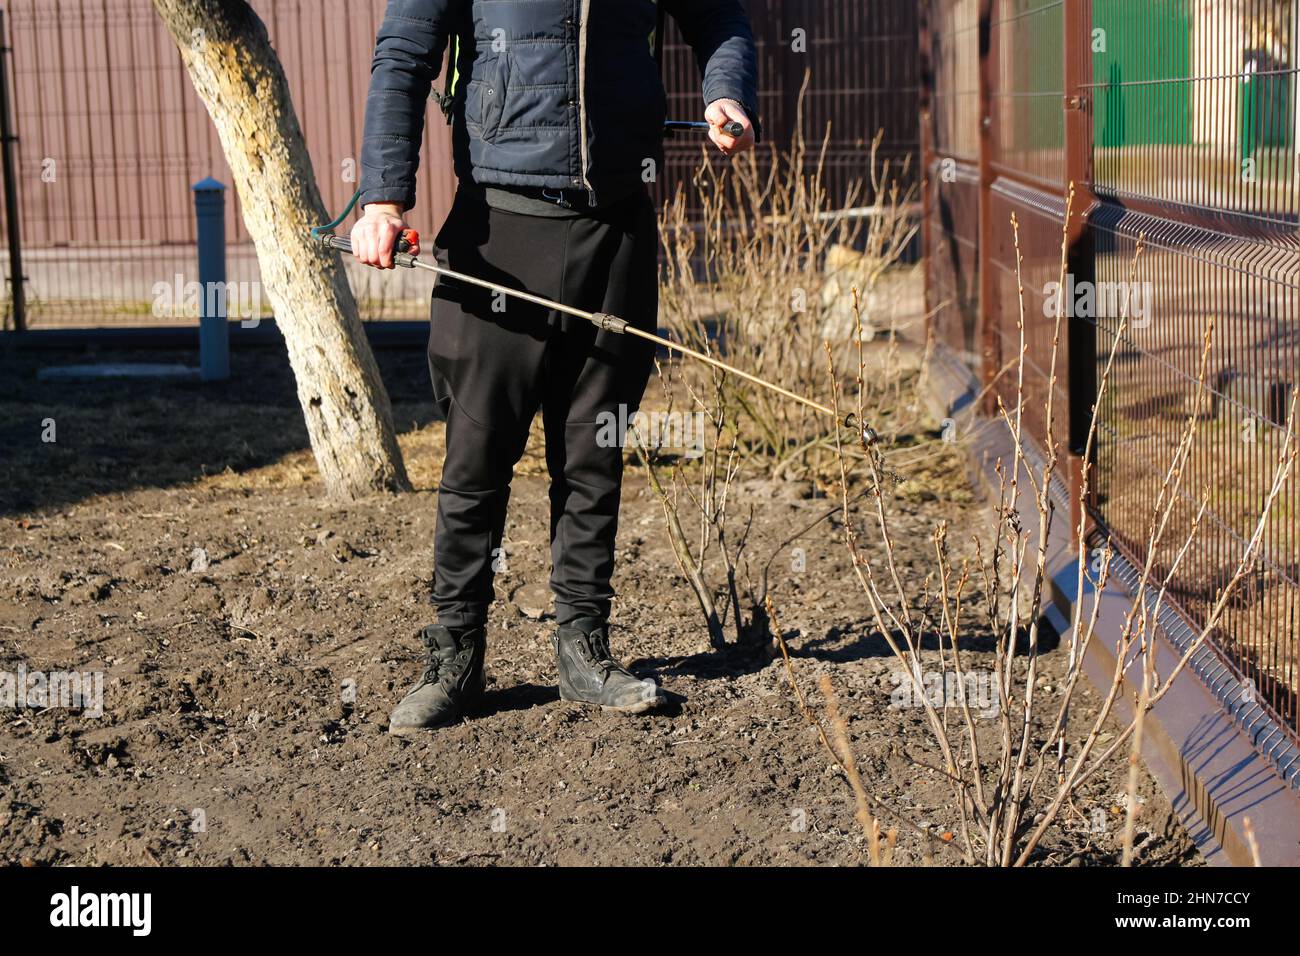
(866, 433)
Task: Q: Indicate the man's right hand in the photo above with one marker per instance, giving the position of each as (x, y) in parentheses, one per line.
(374, 237)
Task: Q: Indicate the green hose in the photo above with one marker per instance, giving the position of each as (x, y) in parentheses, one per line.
(330, 226)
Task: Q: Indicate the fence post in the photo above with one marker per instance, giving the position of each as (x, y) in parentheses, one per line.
(990, 351)
(927, 158)
(18, 291)
(1081, 334)
(214, 335)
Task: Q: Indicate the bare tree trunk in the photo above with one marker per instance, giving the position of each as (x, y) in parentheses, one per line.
(238, 76)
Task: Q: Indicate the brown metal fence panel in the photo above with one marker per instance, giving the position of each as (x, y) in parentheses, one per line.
(111, 136)
(952, 173)
(1026, 162)
(105, 113)
(1040, 217)
(862, 67)
(955, 38)
(1178, 122)
(1027, 83)
(1196, 150)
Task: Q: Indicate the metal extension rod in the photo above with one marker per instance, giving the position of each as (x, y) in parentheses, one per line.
(612, 323)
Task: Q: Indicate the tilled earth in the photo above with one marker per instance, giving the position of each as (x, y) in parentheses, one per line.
(253, 638)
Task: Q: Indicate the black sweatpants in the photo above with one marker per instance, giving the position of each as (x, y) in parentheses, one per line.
(495, 361)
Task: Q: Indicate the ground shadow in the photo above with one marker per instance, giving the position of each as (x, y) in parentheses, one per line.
(499, 700)
(839, 645)
(116, 435)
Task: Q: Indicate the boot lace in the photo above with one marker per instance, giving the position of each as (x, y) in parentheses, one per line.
(434, 666)
(594, 648)
(433, 663)
(430, 675)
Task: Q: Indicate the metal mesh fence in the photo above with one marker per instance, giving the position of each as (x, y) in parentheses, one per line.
(1177, 121)
(111, 136)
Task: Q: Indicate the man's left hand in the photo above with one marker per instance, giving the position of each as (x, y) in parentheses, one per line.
(721, 112)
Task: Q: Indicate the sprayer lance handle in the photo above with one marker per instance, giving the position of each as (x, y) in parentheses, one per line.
(731, 128)
(400, 257)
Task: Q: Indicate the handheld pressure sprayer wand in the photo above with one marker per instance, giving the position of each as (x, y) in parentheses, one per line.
(602, 320)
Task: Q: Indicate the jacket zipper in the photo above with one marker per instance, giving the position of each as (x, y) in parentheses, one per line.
(585, 8)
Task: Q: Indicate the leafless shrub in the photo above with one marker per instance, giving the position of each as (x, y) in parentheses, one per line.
(764, 277)
(762, 282)
(703, 497)
(1009, 795)
(770, 270)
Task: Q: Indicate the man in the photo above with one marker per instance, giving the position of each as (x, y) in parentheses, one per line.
(557, 111)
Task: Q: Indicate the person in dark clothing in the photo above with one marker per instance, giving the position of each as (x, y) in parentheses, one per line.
(557, 111)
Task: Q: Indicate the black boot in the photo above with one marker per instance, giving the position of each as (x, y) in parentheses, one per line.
(452, 680)
(590, 675)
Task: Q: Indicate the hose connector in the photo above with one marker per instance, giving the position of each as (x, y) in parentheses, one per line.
(609, 323)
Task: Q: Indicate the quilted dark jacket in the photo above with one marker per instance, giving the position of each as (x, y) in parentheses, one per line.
(561, 94)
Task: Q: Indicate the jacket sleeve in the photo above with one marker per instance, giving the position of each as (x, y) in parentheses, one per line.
(719, 33)
(408, 56)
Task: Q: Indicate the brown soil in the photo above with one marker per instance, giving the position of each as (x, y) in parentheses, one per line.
(229, 734)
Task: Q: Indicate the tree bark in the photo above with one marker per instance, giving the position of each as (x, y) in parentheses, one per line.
(237, 74)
